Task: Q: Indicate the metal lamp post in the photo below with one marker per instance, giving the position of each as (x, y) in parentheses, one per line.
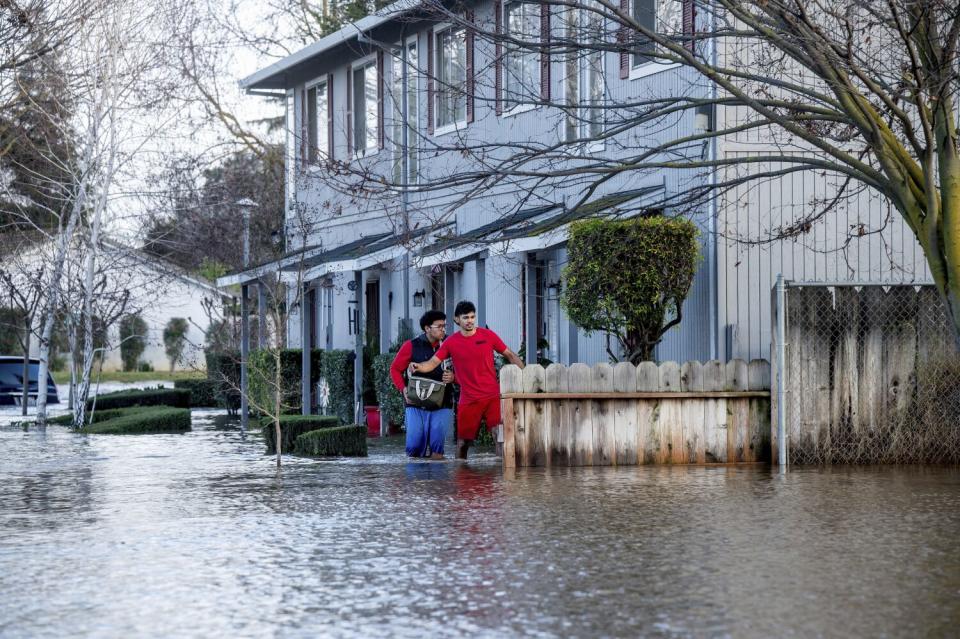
(246, 206)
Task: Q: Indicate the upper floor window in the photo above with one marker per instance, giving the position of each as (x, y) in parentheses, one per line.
(318, 122)
(404, 73)
(451, 92)
(583, 77)
(660, 16)
(365, 109)
(521, 65)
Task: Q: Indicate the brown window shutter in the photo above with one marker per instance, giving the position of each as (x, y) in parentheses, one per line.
(689, 23)
(349, 112)
(498, 56)
(379, 99)
(304, 141)
(622, 41)
(430, 81)
(470, 80)
(330, 116)
(545, 52)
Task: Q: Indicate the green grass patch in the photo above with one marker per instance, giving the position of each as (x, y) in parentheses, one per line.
(141, 420)
(292, 426)
(63, 377)
(176, 397)
(341, 441)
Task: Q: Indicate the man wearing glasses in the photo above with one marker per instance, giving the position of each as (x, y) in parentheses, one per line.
(426, 429)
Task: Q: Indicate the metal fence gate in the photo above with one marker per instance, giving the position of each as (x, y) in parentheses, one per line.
(870, 373)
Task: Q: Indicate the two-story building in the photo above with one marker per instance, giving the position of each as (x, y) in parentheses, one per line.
(413, 95)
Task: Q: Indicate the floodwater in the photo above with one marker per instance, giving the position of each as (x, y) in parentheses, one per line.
(198, 535)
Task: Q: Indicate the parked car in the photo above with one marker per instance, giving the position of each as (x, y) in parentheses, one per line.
(11, 381)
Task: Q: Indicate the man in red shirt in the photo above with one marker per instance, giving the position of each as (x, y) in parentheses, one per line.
(472, 350)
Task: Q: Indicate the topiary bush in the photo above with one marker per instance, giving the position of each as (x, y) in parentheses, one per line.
(342, 441)
(133, 340)
(177, 397)
(141, 420)
(629, 278)
(175, 339)
(390, 400)
(203, 392)
(337, 370)
(291, 427)
(223, 369)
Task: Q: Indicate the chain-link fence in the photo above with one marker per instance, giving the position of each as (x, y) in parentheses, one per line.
(872, 375)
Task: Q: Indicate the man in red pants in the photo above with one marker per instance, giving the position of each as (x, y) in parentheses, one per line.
(472, 349)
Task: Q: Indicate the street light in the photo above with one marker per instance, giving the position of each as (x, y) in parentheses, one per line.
(246, 205)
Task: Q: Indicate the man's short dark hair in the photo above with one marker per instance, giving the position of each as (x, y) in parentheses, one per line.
(431, 316)
(464, 307)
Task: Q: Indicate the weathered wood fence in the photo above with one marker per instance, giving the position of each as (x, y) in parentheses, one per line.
(578, 415)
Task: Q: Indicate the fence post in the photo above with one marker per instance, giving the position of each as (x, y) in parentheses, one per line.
(781, 359)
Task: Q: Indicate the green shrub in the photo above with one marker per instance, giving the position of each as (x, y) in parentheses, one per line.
(260, 380)
(177, 397)
(390, 400)
(203, 392)
(144, 366)
(292, 426)
(133, 340)
(98, 416)
(629, 278)
(223, 369)
(175, 339)
(344, 441)
(337, 370)
(151, 419)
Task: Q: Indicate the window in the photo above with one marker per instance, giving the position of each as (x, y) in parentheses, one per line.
(521, 80)
(451, 92)
(365, 115)
(405, 136)
(662, 16)
(583, 80)
(318, 123)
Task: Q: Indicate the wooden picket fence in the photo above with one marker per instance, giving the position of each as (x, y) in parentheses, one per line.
(578, 415)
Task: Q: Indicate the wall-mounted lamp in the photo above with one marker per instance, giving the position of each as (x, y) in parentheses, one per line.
(418, 297)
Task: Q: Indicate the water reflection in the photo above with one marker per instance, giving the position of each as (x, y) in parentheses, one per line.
(200, 535)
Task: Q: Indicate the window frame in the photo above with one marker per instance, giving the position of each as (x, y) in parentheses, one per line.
(412, 126)
(513, 106)
(583, 71)
(318, 128)
(372, 145)
(650, 67)
(458, 124)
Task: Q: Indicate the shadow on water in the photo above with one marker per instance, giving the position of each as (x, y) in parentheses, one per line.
(201, 535)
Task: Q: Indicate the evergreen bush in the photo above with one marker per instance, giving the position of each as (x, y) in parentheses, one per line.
(176, 397)
(291, 427)
(151, 419)
(223, 369)
(133, 340)
(342, 441)
(203, 392)
(260, 380)
(390, 400)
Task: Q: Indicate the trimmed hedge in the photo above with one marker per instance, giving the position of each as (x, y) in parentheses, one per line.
(390, 400)
(140, 420)
(176, 397)
(336, 367)
(343, 441)
(203, 392)
(223, 369)
(98, 415)
(292, 426)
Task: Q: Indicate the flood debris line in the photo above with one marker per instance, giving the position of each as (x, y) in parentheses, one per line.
(713, 412)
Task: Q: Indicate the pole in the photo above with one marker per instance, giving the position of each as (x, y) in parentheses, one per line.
(781, 359)
(244, 357)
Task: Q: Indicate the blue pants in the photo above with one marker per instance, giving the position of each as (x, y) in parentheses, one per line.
(426, 430)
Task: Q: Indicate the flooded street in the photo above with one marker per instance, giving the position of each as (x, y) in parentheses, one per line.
(200, 535)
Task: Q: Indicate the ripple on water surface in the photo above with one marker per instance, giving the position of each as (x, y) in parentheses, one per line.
(199, 535)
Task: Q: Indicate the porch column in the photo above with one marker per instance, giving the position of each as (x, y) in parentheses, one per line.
(306, 399)
(481, 292)
(448, 302)
(244, 355)
(384, 311)
(358, 349)
(261, 316)
(531, 306)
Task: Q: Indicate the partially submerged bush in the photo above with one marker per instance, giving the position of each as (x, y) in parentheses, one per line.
(342, 441)
(177, 397)
(203, 392)
(141, 420)
(291, 427)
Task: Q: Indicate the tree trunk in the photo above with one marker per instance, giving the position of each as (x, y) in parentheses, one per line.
(25, 398)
